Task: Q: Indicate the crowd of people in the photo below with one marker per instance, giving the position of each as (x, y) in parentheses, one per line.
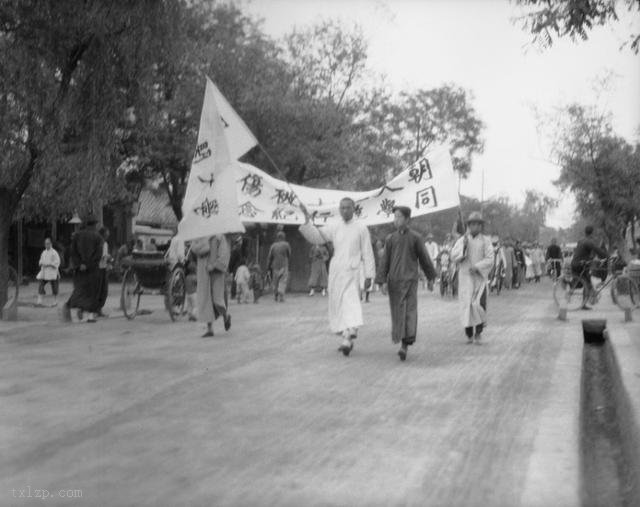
(344, 265)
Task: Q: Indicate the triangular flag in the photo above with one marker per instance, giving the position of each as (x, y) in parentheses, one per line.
(240, 138)
(210, 205)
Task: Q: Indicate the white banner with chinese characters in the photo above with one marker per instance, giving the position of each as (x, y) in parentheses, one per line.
(428, 186)
(210, 204)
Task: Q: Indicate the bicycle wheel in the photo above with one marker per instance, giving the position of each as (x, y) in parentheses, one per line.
(570, 292)
(130, 295)
(176, 294)
(624, 292)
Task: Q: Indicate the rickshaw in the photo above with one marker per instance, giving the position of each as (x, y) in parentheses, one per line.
(152, 273)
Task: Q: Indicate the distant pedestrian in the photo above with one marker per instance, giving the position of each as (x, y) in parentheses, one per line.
(553, 256)
(256, 281)
(537, 262)
(49, 272)
(191, 285)
(318, 276)
(213, 261)
(519, 266)
(242, 279)
(105, 266)
(509, 258)
(398, 275)
(278, 264)
(433, 249)
(85, 255)
(474, 254)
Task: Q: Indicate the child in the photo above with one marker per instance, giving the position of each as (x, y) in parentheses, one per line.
(256, 282)
(49, 264)
(242, 278)
(191, 285)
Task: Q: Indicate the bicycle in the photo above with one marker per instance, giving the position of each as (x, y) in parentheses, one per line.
(573, 290)
(496, 279)
(553, 268)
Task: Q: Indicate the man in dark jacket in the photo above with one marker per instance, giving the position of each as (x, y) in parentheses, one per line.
(584, 253)
(404, 251)
(85, 255)
(554, 254)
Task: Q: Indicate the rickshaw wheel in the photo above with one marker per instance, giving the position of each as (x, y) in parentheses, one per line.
(130, 295)
(176, 294)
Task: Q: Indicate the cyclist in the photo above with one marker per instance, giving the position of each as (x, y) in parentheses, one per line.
(585, 251)
(553, 257)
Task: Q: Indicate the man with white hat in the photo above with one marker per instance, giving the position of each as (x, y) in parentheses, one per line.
(474, 254)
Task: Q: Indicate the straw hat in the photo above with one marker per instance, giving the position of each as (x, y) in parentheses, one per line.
(475, 216)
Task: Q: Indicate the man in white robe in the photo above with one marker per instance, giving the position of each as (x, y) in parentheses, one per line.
(351, 246)
(474, 254)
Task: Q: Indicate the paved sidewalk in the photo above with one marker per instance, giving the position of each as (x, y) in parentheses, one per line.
(146, 412)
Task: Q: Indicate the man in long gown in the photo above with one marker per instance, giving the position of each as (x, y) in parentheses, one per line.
(474, 254)
(86, 253)
(278, 264)
(351, 246)
(398, 275)
(211, 291)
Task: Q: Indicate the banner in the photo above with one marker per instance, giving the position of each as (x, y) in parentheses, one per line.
(210, 204)
(430, 185)
(239, 137)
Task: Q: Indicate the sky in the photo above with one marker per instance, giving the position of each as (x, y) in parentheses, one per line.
(477, 44)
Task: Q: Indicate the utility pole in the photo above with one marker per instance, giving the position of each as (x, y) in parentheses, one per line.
(482, 192)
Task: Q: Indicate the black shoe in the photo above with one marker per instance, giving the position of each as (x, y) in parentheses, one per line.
(227, 322)
(585, 307)
(208, 334)
(346, 350)
(402, 353)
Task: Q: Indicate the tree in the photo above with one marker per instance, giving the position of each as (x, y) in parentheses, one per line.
(439, 115)
(547, 19)
(602, 170)
(67, 76)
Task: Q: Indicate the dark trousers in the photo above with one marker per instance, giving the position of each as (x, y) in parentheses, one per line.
(54, 287)
(469, 330)
(103, 292)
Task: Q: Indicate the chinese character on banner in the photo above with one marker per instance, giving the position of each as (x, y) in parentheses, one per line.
(423, 171)
(386, 206)
(209, 181)
(283, 213)
(426, 198)
(284, 196)
(316, 216)
(203, 151)
(251, 185)
(207, 208)
(248, 210)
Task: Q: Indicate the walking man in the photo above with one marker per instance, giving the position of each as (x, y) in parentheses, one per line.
(213, 262)
(351, 246)
(474, 254)
(86, 253)
(318, 276)
(278, 264)
(398, 275)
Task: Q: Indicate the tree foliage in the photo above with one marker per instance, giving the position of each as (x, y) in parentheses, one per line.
(549, 19)
(601, 169)
(67, 76)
